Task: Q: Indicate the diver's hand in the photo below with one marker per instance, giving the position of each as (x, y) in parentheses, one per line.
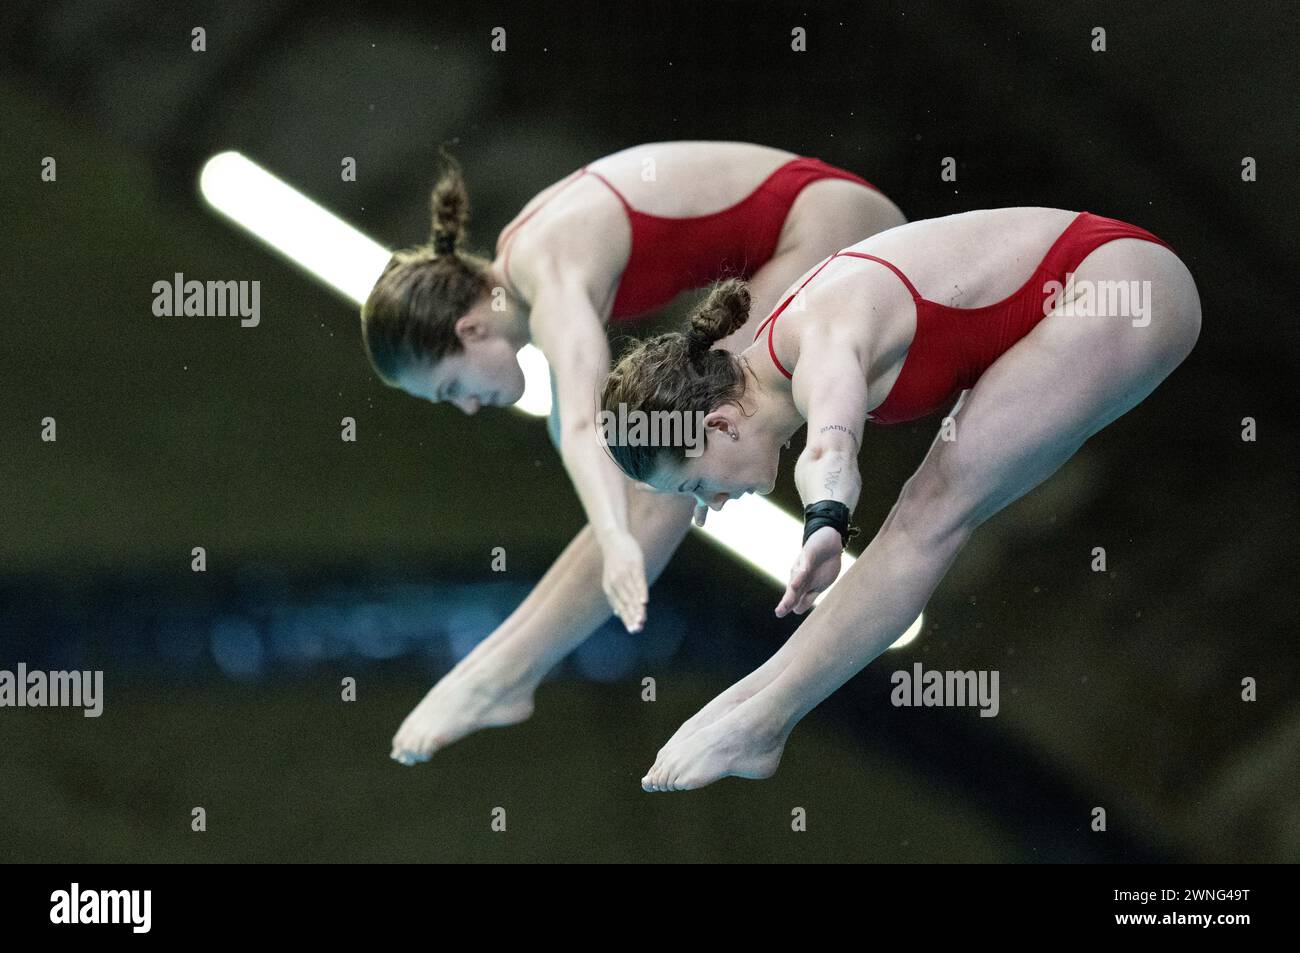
(814, 570)
(623, 579)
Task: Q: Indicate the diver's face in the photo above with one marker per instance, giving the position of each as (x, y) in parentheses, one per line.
(485, 373)
(737, 459)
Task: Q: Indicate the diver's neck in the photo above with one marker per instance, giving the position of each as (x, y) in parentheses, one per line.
(518, 332)
(773, 405)
(514, 322)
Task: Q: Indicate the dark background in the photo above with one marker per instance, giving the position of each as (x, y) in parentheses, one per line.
(371, 560)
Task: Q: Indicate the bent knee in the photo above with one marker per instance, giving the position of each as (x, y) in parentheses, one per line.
(932, 513)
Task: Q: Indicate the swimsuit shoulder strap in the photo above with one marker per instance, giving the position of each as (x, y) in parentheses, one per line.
(609, 185)
(504, 242)
(911, 289)
(770, 322)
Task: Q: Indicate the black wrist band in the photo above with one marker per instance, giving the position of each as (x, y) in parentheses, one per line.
(828, 513)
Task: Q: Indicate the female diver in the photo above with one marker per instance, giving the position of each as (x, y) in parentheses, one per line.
(614, 240)
(1050, 324)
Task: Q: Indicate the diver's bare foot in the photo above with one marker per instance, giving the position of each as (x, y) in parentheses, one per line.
(743, 743)
(726, 702)
(719, 707)
(467, 698)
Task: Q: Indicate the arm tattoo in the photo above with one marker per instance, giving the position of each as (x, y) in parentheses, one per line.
(841, 428)
(832, 480)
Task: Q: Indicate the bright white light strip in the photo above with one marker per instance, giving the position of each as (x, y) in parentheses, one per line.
(767, 537)
(537, 382)
(292, 224)
(752, 528)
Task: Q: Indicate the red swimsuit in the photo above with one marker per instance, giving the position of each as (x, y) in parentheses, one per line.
(671, 255)
(952, 347)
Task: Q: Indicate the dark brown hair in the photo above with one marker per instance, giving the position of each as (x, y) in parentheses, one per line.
(678, 372)
(411, 313)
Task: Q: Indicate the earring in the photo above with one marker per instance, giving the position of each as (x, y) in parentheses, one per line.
(734, 435)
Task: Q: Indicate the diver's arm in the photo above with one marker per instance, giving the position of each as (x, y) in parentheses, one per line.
(565, 325)
(830, 388)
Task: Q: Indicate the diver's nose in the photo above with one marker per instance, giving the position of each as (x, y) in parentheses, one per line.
(717, 501)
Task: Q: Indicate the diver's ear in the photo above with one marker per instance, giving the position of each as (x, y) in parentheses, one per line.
(722, 423)
(470, 327)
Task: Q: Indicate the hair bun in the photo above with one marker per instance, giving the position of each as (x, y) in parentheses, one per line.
(723, 313)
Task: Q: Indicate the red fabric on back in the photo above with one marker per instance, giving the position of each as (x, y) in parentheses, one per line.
(952, 347)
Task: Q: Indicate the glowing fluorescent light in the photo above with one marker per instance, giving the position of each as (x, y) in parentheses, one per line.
(759, 533)
(324, 245)
(753, 529)
(537, 382)
(295, 226)
(766, 537)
